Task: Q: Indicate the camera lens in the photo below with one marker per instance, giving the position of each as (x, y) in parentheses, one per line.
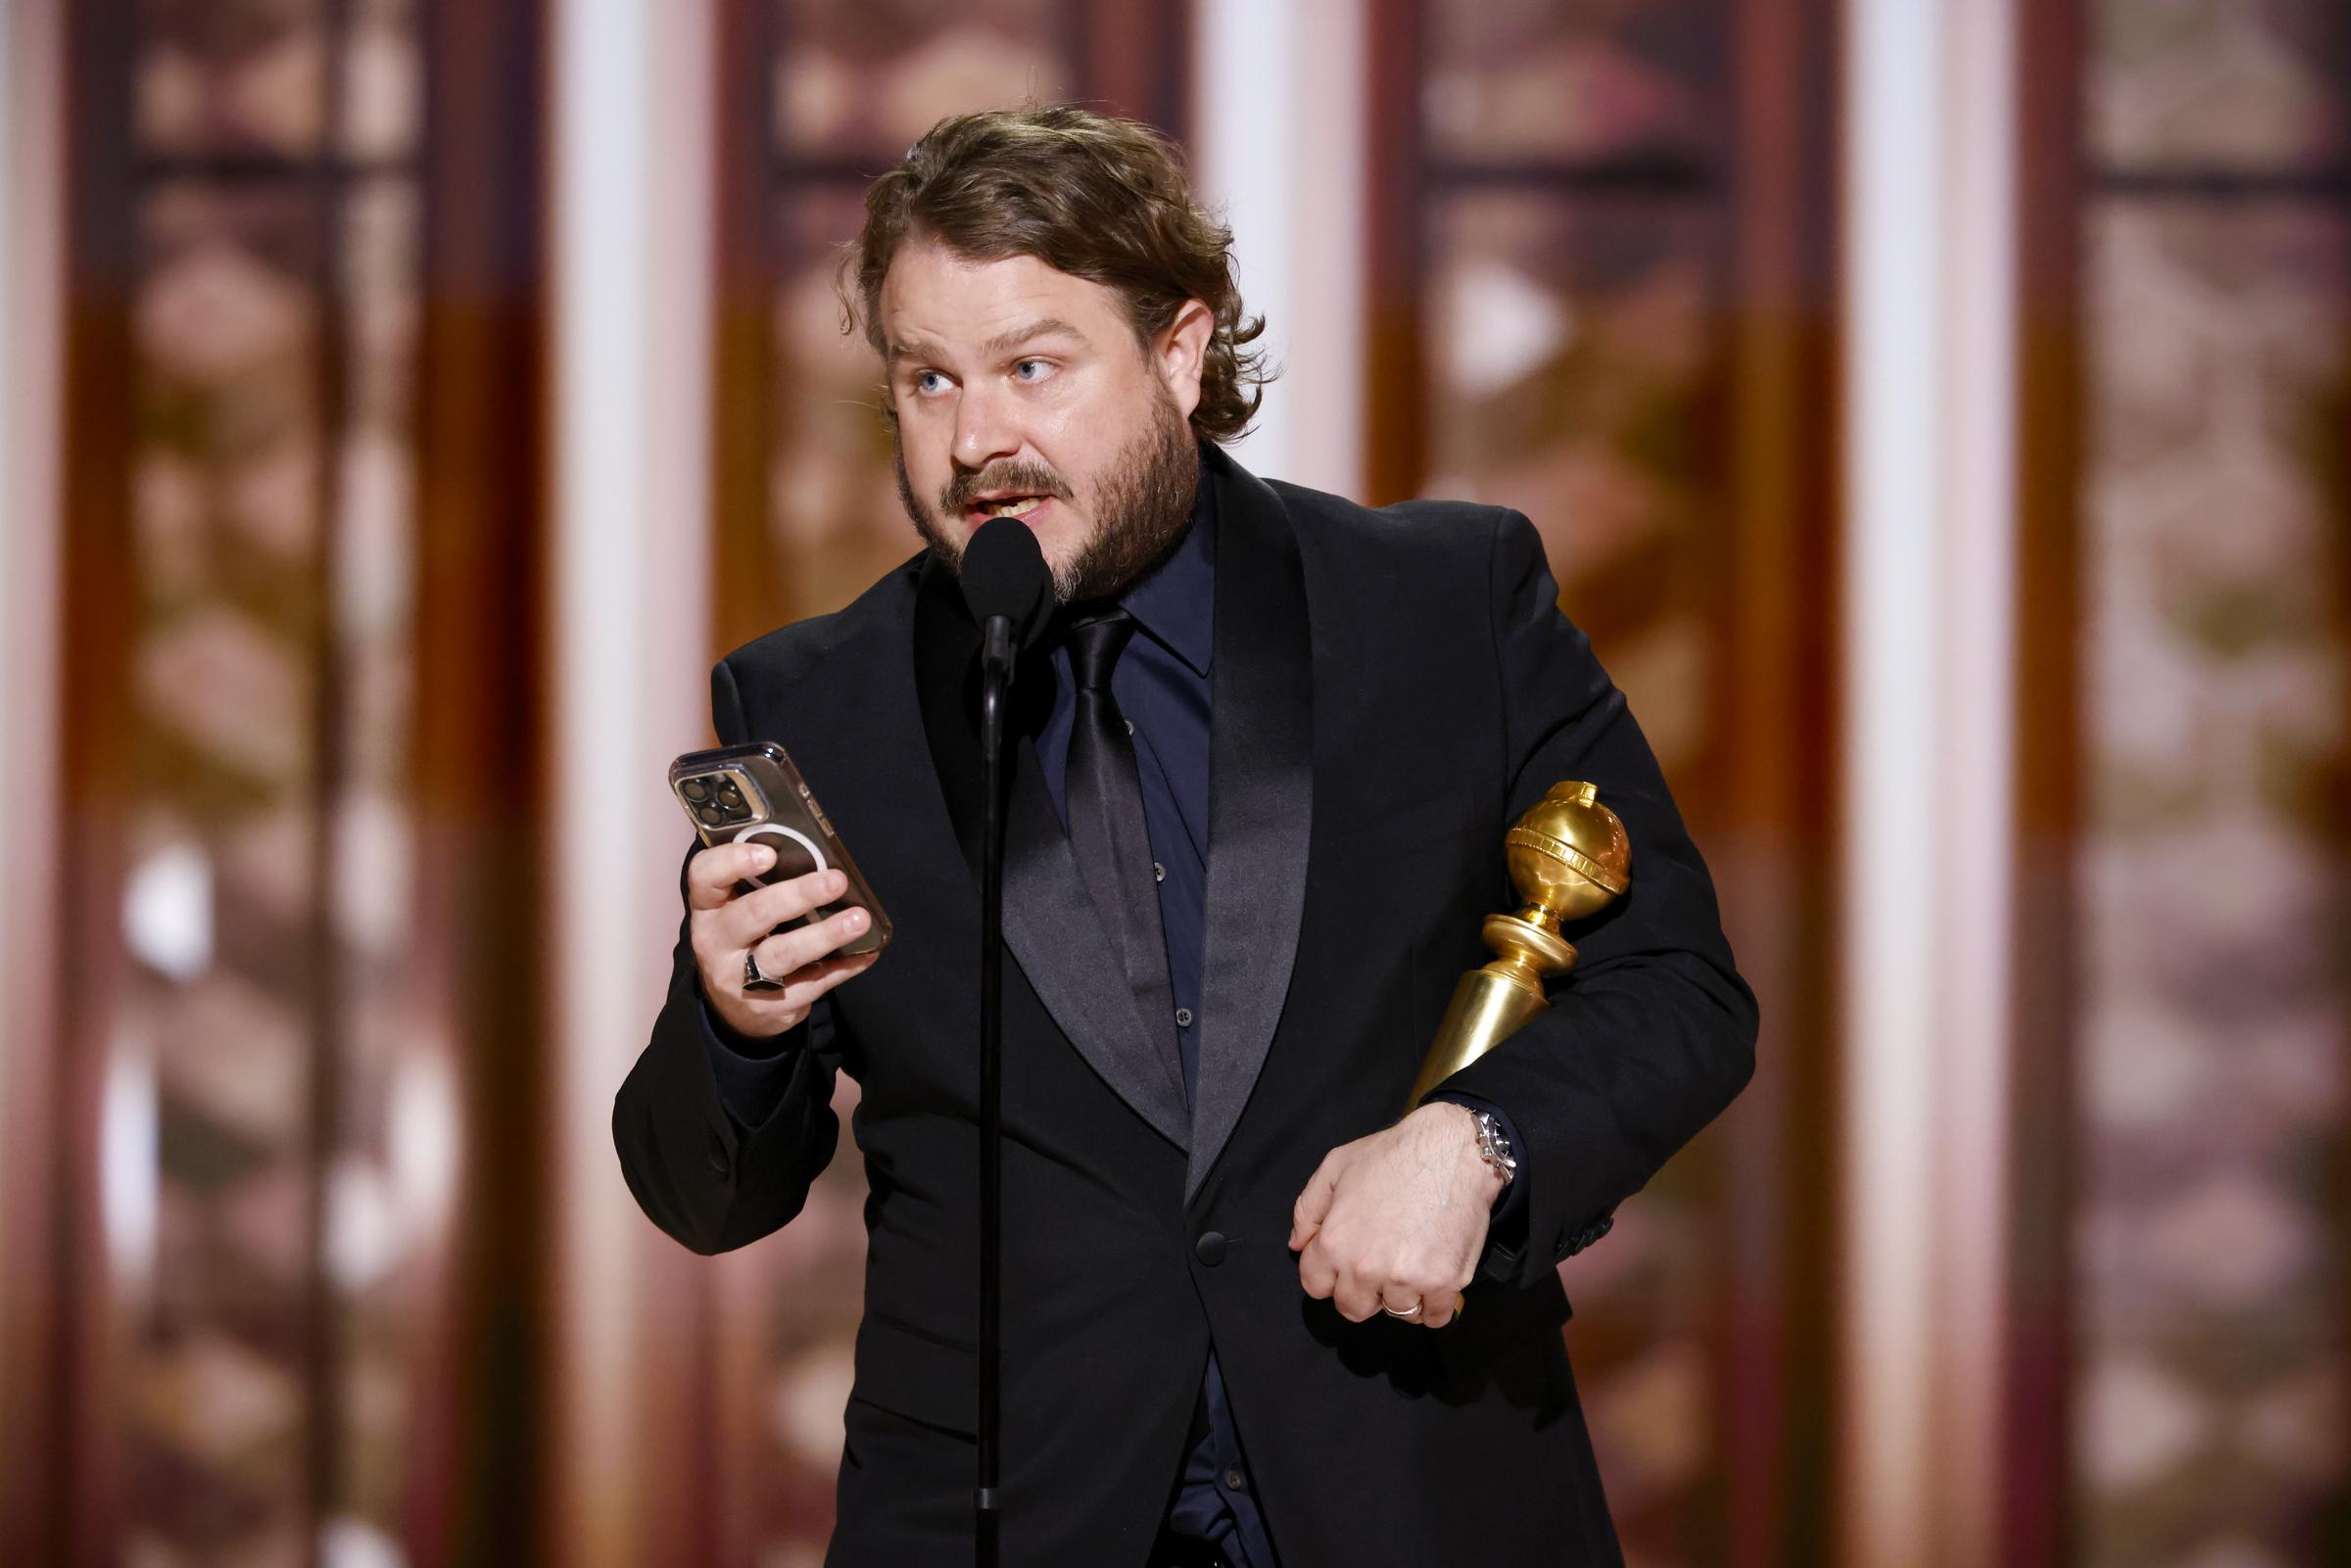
(696, 789)
(711, 814)
(729, 794)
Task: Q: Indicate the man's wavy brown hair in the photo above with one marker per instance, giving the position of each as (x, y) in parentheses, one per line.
(1093, 196)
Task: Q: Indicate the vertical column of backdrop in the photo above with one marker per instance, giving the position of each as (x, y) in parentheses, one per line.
(817, 98)
(476, 1093)
(2211, 1002)
(1571, 212)
(380, 1185)
(237, 664)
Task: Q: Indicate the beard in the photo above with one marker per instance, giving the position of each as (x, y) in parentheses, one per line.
(1140, 500)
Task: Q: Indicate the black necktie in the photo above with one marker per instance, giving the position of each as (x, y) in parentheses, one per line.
(1107, 829)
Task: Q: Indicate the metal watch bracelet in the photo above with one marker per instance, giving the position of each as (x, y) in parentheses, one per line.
(1494, 1146)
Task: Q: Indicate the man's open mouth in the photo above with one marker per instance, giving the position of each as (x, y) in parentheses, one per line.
(1008, 505)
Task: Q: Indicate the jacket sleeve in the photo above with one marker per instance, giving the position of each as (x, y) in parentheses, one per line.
(1654, 1033)
(709, 1181)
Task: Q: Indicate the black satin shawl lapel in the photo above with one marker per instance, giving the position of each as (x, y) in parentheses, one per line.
(1049, 921)
(1261, 801)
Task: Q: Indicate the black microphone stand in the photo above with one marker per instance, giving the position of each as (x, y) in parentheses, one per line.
(995, 679)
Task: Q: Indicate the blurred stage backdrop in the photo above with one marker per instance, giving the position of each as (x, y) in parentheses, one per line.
(1935, 411)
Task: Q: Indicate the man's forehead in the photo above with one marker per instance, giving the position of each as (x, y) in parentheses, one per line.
(931, 298)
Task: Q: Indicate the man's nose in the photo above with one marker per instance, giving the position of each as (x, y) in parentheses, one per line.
(985, 429)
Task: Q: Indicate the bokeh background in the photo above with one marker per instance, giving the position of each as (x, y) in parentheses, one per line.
(1934, 410)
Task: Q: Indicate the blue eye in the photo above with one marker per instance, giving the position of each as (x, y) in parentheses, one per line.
(929, 381)
(1021, 367)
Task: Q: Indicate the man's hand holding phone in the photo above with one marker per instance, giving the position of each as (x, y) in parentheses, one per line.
(726, 924)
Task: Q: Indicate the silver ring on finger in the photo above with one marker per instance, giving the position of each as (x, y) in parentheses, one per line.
(753, 977)
(1412, 1311)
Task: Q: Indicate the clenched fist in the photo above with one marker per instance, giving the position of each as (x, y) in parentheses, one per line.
(1396, 1222)
(724, 926)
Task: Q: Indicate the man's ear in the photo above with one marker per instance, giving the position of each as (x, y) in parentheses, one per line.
(1181, 350)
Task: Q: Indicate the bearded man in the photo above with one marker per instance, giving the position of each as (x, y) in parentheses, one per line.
(1260, 783)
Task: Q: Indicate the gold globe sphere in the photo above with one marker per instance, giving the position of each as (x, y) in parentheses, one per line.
(1569, 855)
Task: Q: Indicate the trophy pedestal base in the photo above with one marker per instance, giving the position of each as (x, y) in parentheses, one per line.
(1487, 1006)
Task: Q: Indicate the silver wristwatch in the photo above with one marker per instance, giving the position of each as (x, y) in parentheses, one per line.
(1494, 1146)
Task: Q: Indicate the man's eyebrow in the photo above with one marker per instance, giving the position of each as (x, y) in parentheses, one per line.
(1001, 343)
(915, 349)
(1042, 326)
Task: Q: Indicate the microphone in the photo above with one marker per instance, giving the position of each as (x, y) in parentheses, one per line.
(1009, 588)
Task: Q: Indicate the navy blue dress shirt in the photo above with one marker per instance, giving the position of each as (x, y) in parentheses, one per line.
(1163, 689)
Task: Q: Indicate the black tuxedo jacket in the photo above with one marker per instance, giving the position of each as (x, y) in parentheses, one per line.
(1391, 689)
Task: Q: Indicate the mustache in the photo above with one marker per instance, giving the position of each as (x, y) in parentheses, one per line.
(1029, 478)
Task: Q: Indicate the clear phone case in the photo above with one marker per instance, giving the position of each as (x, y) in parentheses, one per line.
(753, 793)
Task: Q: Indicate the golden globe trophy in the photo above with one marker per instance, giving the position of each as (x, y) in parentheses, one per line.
(1567, 858)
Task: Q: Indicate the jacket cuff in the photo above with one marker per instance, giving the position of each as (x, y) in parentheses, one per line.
(753, 1073)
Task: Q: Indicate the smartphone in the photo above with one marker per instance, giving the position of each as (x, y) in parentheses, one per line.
(752, 793)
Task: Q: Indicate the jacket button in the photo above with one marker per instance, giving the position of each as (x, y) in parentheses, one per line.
(718, 1156)
(1210, 1248)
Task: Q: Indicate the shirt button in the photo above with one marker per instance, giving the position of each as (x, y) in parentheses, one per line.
(1158, 873)
(1129, 723)
(1235, 1480)
(1183, 1018)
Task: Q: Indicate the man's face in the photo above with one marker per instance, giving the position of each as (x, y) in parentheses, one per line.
(1020, 390)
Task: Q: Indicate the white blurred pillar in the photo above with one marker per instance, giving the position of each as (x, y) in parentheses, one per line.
(630, 162)
(1277, 143)
(1928, 322)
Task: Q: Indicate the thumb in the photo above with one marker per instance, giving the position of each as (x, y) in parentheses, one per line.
(1306, 1215)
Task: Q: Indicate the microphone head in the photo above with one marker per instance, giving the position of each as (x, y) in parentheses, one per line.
(1005, 573)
